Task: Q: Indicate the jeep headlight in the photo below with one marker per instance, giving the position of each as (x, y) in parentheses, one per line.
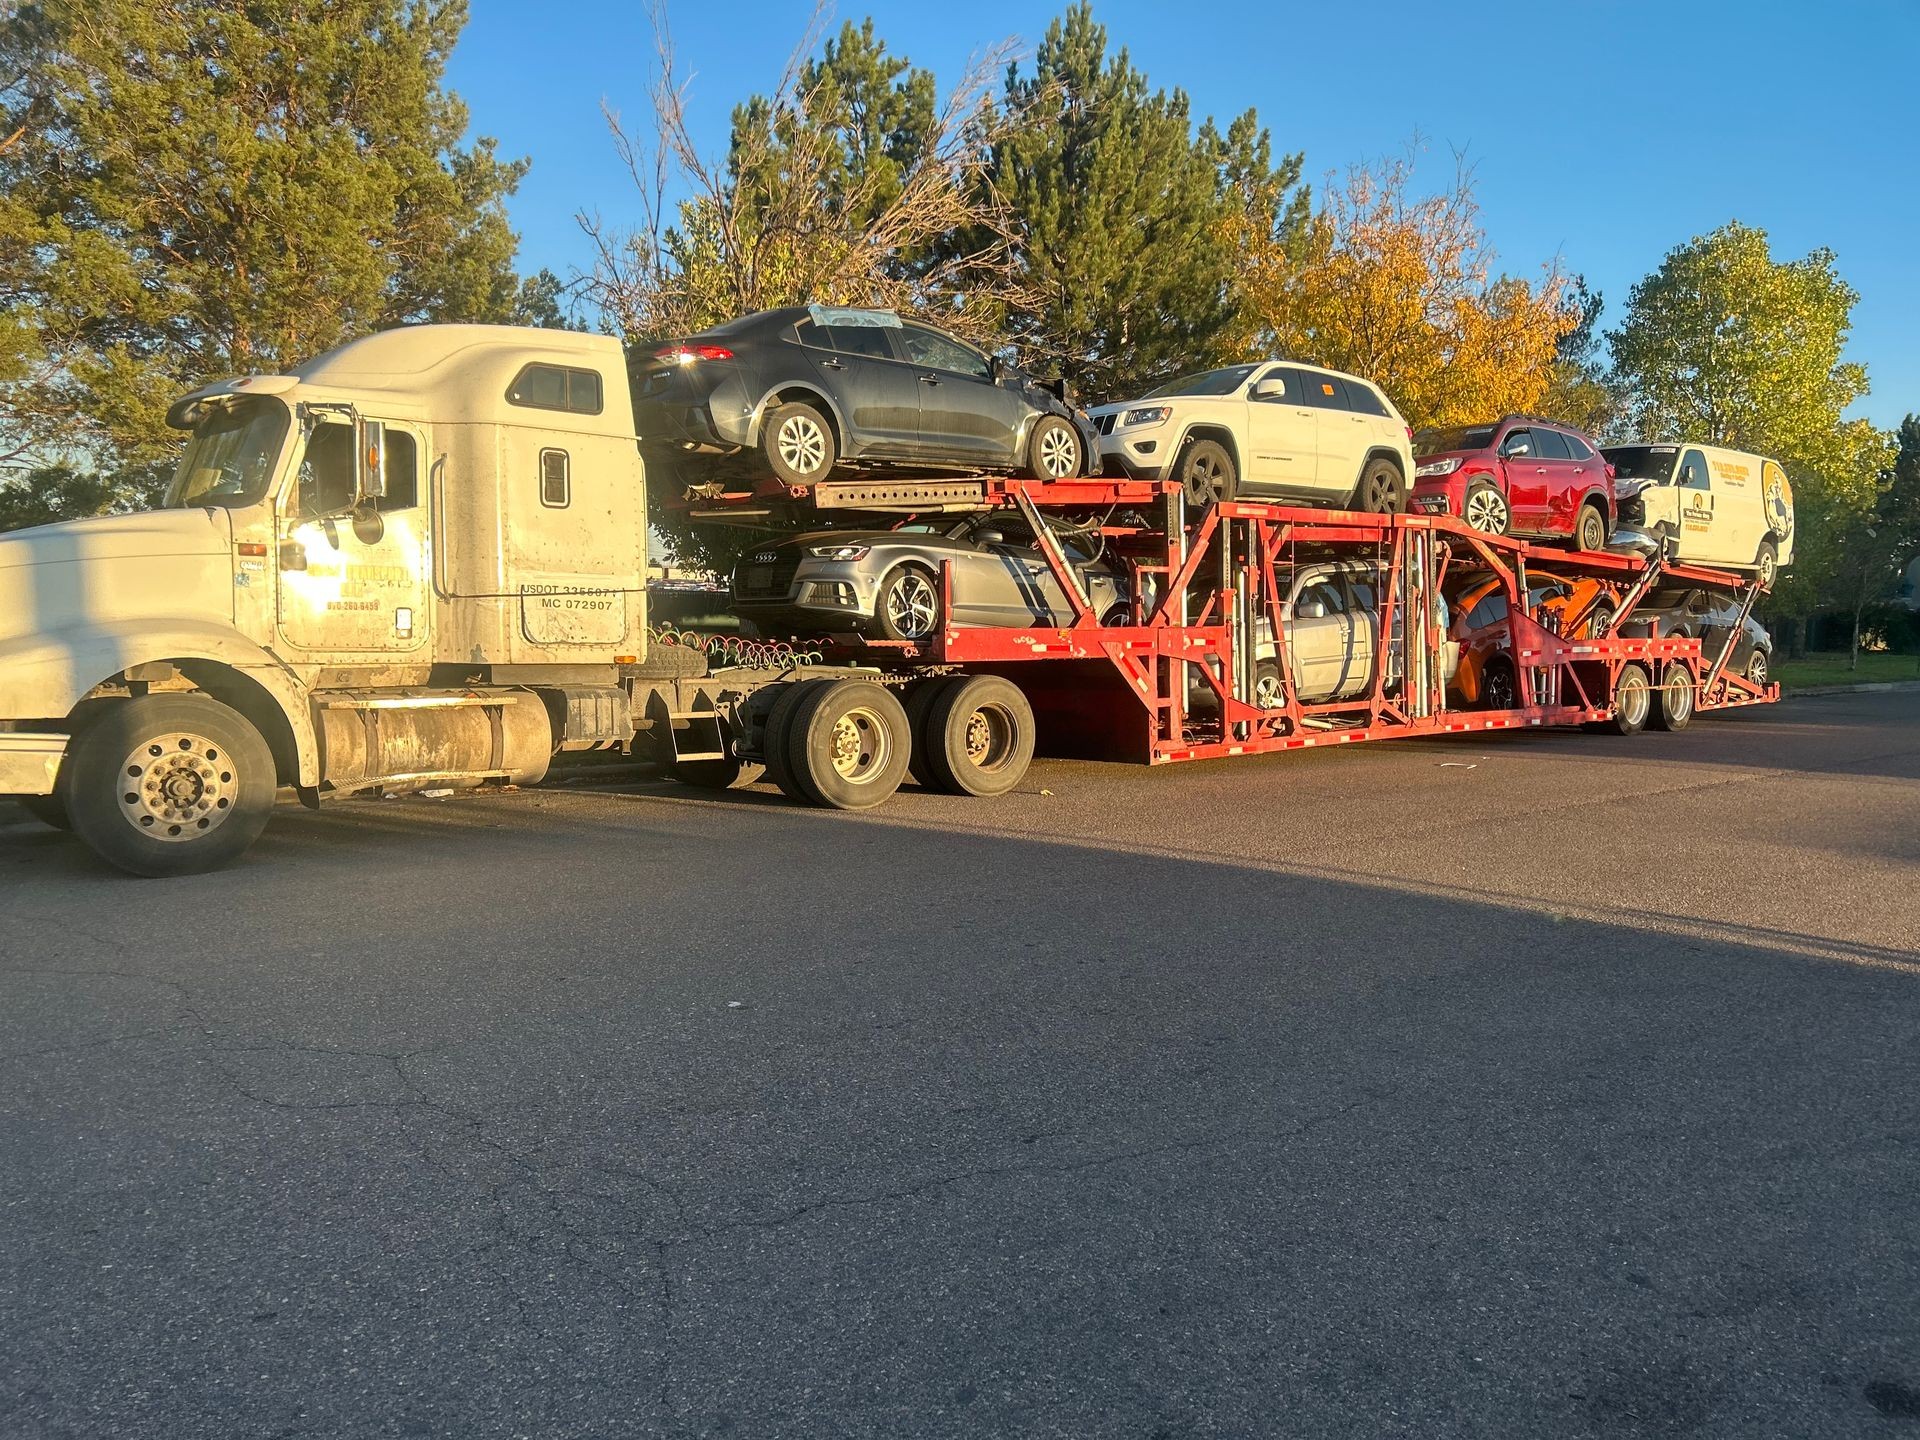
(1146, 415)
(1437, 467)
(838, 552)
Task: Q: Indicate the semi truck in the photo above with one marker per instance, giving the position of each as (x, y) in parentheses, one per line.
(420, 560)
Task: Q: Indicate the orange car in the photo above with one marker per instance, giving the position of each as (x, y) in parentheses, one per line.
(1486, 676)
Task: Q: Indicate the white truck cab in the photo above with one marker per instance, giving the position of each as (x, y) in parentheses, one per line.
(417, 558)
(1719, 507)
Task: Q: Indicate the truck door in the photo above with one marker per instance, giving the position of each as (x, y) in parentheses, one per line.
(353, 584)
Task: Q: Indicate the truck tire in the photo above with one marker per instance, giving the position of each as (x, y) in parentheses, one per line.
(170, 785)
(1766, 564)
(979, 736)
(848, 744)
(919, 704)
(798, 444)
(1054, 450)
(1632, 702)
(773, 739)
(49, 810)
(1673, 706)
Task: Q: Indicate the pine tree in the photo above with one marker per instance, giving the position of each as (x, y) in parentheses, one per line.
(1132, 222)
(196, 188)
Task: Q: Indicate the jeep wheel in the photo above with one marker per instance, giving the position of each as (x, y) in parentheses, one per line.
(1381, 490)
(1207, 474)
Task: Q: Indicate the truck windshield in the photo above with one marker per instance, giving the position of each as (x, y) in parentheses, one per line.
(1208, 382)
(229, 459)
(1642, 462)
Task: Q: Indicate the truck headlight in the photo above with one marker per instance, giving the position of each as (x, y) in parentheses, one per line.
(838, 552)
(1146, 415)
(1437, 467)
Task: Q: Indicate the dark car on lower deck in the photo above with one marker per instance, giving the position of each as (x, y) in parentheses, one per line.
(799, 391)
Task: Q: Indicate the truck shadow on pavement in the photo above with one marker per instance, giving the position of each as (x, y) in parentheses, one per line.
(728, 1117)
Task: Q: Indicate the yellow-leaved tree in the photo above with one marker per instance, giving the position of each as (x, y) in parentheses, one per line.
(1401, 288)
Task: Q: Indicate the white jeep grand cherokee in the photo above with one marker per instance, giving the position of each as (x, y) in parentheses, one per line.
(1272, 430)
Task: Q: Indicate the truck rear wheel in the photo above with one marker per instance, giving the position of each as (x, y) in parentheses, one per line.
(169, 785)
(979, 736)
(919, 705)
(1632, 701)
(1673, 710)
(848, 743)
(775, 733)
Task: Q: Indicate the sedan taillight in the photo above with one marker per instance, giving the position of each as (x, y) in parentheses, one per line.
(691, 354)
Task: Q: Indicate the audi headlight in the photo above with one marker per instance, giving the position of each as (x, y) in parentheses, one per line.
(838, 552)
(1146, 415)
(1438, 467)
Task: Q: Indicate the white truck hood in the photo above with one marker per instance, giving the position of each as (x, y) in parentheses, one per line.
(168, 564)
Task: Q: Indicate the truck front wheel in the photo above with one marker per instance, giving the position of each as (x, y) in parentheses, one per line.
(169, 784)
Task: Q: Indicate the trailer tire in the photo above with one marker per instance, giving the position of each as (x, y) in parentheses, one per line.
(200, 776)
(1632, 701)
(848, 743)
(979, 738)
(1766, 564)
(919, 704)
(1673, 707)
(774, 734)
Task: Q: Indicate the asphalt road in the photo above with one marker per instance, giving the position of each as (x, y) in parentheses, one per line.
(1533, 1085)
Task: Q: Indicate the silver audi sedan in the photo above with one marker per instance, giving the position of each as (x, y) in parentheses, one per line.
(886, 583)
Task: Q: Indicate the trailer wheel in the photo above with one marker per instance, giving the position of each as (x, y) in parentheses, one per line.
(775, 733)
(919, 704)
(979, 736)
(1632, 701)
(1674, 708)
(170, 785)
(848, 744)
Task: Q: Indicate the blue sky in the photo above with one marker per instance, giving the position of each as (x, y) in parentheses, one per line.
(1602, 134)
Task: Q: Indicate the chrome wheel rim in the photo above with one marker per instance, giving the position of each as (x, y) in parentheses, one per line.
(1632, 699)
(1487, 512)
(1266, 692)
(1059, 452)
(1768, 564)
(860, 745)
(912, 607)
(1757, 669)
(988, 737)
(802, 444)
(178, 787)
(1679, 700)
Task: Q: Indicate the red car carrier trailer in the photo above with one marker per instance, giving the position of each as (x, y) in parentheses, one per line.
(1201, 670)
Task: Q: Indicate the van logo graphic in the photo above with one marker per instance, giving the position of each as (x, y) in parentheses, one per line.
(1780, 506)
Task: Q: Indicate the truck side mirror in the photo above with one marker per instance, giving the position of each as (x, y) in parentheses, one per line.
(370, 461)
(1310, 610)
(1272, 388)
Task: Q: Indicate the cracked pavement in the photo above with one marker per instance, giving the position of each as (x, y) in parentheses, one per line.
(1568, 1088)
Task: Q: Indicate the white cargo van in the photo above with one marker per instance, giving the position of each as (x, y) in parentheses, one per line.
(1720, 507)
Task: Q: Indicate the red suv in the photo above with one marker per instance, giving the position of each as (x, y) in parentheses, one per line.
(1518, 476)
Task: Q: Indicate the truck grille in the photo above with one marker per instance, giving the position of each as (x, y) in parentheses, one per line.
(757, 579)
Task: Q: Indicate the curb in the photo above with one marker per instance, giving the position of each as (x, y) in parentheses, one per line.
(1869, 687)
